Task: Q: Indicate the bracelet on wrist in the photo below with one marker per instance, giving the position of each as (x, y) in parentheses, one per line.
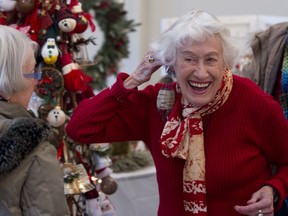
(275, 196)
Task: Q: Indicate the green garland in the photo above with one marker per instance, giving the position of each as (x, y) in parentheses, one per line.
(111, 18)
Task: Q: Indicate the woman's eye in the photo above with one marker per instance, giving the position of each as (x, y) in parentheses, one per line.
(191, 59)
(211, 60)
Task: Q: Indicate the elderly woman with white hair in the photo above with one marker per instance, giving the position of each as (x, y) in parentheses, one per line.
(31, 180)
(213, 135)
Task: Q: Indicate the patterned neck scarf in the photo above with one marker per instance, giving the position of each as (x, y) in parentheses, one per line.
(284, 82)
(182, 137)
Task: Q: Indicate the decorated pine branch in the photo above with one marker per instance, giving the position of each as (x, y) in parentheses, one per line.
(112, 20)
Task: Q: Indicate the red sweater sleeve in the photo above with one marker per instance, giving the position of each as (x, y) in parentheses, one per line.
(106, 117)
(277, 155)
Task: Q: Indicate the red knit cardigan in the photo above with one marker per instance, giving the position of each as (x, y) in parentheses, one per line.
(247, 135)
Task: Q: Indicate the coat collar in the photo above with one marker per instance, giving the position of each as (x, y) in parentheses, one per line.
(20, 134)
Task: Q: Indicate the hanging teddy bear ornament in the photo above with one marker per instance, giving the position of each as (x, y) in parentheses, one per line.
(83, 20)
(75, 80)
(56, 117)
(65, 20)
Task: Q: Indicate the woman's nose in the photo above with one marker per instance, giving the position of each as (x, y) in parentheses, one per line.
(201, 71)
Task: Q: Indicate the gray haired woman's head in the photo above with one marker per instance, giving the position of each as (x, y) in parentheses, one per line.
(196, 25)
(13, 55)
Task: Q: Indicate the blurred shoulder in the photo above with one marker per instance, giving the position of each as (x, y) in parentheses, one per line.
(249, 94)
(247, 87)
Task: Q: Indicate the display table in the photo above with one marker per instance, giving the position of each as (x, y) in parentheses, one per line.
(137, 193)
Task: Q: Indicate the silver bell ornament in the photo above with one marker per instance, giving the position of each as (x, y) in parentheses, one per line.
(101, 162)
(76, 179)
(70, 179)
(99, 155)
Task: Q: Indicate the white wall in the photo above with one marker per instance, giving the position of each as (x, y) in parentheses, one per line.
(174, 8)
(150, 13)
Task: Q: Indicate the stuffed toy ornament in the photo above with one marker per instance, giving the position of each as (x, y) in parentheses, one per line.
(56, 117)
(82, 18)
(50, 51)
(82, 22)
(75, 80)
(65, 20)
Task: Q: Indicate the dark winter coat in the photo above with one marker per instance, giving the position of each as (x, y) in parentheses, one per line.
(31, 180)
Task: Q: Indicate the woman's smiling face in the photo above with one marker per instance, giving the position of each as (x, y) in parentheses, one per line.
(199, 69)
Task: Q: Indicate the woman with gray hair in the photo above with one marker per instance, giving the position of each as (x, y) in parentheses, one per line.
(31, 180)
(213, 135)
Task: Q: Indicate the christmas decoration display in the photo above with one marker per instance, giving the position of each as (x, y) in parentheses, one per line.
(68, 77)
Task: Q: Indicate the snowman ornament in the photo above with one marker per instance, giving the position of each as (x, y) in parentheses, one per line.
(66, 20)
(50, 51)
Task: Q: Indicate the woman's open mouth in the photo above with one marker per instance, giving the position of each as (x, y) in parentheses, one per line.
(199, 87)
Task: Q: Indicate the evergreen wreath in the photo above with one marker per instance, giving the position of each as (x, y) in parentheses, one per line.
(111, 17)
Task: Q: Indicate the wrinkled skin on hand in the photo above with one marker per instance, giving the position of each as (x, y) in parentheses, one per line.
(147, 67)
(260, 200)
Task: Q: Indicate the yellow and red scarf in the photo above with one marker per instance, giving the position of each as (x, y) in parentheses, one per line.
(182, 137)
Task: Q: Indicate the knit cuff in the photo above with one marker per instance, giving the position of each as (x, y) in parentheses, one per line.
(277, 185)
(118, 89)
